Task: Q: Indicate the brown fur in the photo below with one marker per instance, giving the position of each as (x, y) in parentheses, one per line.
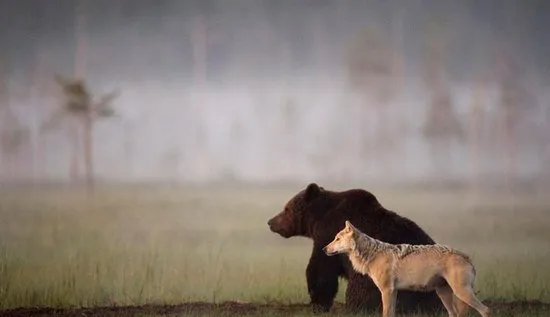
(319, 214)
(449, 272)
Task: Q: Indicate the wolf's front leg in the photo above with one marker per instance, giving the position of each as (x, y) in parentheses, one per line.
(322, 279)
(389, 297)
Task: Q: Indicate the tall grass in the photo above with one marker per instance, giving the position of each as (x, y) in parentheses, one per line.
(137, 245)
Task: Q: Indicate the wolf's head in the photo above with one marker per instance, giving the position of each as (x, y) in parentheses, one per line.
(344, 241)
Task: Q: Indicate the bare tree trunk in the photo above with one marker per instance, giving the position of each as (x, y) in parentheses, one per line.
(474, 134)
(199, 42)
(88, 151)
(3, 175)
(79, 71)
(510, 147)
(380, 140)
(129, 149)
(2, 165)
(441, 152)
(8, 124)
(81, 41)
(3, 108)
(38, 90)
(75, 148)
(319, 39)
(509, 104)
(370, 120)
(34, 137)
(397, 82)
(398, 50)
(198, 39)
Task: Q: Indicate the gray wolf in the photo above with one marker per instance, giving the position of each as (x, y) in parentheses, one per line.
(392, 267)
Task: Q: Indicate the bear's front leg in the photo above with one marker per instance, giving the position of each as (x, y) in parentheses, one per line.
(322, 279)
(362, 295)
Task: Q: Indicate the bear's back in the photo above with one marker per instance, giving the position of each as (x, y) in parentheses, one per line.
(365, 212)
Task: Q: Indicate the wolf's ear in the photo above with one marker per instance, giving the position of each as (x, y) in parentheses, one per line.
(312, 190)
(349, 226)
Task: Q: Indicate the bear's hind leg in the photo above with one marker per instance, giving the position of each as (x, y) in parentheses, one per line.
(419, 302)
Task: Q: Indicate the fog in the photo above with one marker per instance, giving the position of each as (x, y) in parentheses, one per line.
(264, 91)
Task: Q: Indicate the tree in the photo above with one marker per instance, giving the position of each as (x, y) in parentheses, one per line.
(543, 135)
(129, 129)
(80, 36)
(12, 138)
(371, 71)
(40, 88)
(200, 36)
(170, 163)
(515, 103)
(286, 134)
(12, 133)
(370, 65)
(442, 125)
(84, 110)
(475, 130)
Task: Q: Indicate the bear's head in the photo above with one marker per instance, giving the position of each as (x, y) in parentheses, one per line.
(300, 212)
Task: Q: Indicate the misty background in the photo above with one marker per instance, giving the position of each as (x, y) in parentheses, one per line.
(265, 91)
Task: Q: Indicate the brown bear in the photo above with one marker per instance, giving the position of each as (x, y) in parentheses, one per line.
(319, 214)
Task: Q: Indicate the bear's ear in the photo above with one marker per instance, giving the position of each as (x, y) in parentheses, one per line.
(312, 191)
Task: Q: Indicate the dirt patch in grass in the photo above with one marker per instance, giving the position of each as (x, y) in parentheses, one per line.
(501, 308)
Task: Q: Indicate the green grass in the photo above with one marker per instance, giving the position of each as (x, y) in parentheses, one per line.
(132, 246)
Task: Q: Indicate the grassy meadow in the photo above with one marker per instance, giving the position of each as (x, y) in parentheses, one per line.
(168, 245)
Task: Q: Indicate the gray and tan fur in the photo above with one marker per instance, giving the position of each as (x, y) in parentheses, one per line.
(393, 267)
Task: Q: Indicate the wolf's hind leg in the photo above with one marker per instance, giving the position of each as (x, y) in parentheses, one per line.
(467, 295)
(445, 293)
(462, 286)
(461, 308)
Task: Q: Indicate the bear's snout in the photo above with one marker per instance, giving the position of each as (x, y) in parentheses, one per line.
(271, 223)
(277, 225)
(274, 225)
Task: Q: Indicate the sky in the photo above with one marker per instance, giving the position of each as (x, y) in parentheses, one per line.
(193, 112)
